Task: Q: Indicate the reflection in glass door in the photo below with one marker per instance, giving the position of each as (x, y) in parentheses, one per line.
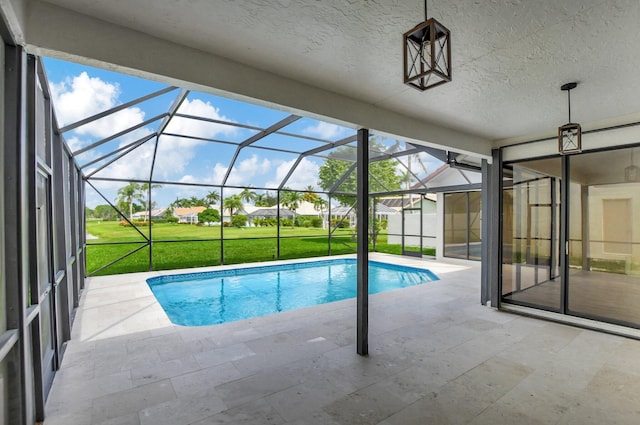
(531, 223)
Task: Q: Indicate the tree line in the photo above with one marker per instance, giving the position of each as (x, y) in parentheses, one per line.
(133, 197)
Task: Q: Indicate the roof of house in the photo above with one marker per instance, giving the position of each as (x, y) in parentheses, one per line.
(380, 209)
(384, 209)
(156, 212)
(400, 202)
(447, 175)
(271, 212)
(184, 211)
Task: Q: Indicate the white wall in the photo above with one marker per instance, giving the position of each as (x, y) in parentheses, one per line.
(412, 223)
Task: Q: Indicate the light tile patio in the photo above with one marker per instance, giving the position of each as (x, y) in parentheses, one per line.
(436, 356)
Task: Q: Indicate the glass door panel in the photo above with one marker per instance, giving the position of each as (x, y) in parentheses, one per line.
(604, 246)
(531, 217)
(475, 225)
(456, 225)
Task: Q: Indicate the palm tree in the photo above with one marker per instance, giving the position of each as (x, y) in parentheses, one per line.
(291, 200)
(212, 197)
(319, 204)
(194, 201)
(128, 194)
(265, 200)
(247, 195)
(309, 196)
(233, 203)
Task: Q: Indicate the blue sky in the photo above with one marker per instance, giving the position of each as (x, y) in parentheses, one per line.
(80, 91)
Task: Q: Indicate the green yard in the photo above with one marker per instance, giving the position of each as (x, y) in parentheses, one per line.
(183, 246)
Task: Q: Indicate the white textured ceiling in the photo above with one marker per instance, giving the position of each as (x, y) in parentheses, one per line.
(509, 56)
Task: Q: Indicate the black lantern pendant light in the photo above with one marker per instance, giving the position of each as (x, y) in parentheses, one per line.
(427, 54)
(570, 134)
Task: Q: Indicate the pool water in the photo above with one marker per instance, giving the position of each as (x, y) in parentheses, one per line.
(208, 298)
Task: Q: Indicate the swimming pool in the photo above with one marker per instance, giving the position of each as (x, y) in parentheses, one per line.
(208, 298)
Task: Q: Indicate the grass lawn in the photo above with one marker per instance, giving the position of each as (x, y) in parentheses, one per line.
(242, 245)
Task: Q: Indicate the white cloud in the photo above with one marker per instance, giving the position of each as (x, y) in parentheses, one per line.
(197, 107)
(324, 130)
(82, 96)
(219, 172)
(305, 174)
(75, 143)
(188, 179)
(244, 172)
(175, 153)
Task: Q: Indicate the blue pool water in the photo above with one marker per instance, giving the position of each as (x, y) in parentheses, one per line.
(209, 298)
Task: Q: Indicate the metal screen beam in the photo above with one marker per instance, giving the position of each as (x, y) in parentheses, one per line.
(314, 151)
(115, 109)
(487, 205)
(111, 161)
(120, 149)
(434, 152)
(120, 134)
(363, 243)
(494, 228)
(173, 110)
(344, 177)
(214, 121)
(264, 133)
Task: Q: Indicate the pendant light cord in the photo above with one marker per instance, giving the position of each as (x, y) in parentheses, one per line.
(425, 10)
(568, 97)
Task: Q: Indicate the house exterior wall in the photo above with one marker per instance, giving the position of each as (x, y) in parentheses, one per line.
(412, 226)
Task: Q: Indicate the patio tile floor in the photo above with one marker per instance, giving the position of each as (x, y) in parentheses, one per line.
(436, 356)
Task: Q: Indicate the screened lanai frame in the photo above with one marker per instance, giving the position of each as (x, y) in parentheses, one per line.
(280, 136)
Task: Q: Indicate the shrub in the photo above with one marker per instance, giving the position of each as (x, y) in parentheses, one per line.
(172, 220)
(286, 222)
(316, 222)
(239, 220)
(341, 224)
(209, 216)
(125, 223)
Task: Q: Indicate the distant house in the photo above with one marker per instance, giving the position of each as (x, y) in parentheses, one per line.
(399, 203)
(304, 209)
(271, 212)
(349, 214)
(188, 215)
(144, 215)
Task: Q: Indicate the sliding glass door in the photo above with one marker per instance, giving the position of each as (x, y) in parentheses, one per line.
(590, 266)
